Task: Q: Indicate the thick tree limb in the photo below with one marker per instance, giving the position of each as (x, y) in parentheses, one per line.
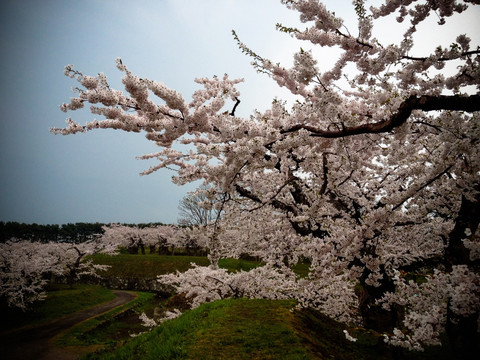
(425, 103)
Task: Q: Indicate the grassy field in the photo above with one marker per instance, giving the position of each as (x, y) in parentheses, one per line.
(152, 265)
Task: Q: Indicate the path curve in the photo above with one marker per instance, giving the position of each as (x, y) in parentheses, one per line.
(37, 343)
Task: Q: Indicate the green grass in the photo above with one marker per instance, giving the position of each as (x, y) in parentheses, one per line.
(257, 329)
(150, 266)
(234, 265)
(237, 329)
(226, 329)
(146, 266)
(126, 265)
(301, 269)
(61, 300)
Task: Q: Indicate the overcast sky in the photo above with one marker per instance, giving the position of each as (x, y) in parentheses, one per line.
(92, 177)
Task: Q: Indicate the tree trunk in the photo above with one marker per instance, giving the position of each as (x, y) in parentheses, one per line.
(132, 249)
(152, 249)
(462, 331)
(462, 335)
(468, 217)
(374, 316)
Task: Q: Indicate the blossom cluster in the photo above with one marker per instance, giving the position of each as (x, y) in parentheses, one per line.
(429, 303)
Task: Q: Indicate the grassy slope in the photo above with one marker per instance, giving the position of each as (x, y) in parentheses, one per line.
(227, 329)
(256, 329)
(242, 328)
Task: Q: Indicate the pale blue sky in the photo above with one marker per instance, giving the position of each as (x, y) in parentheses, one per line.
(95, 177)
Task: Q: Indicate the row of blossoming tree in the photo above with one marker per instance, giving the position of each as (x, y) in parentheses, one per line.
(163, 239)
(373, 175)
(26, 266)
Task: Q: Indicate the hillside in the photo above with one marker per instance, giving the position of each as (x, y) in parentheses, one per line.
(254, 329)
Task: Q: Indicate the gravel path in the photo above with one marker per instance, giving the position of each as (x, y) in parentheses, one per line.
(37, 343)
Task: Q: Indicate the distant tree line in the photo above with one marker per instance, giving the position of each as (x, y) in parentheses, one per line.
(75, 233)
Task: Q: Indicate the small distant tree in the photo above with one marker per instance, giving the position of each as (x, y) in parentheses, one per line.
(197, 208)
(72, 258)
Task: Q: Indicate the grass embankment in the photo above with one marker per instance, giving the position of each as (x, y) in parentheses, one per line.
(227, 329)
(252, 329)
(242, 328)
(61, 300)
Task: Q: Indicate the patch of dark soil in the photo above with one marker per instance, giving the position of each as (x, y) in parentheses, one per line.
(178, 301)
(121, 327)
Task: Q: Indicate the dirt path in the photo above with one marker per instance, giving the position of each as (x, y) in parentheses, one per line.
(37, 343)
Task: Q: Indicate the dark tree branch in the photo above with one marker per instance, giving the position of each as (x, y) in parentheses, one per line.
(290, 180)
(308, 229)
(426, 103)
(325, 174)
(247, 193)
(466, 53)
(468, 217)
(232, 113)
(423, 186)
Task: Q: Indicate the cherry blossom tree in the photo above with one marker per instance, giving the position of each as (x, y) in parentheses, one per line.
(373, 173)
(24, 266)
(72, 258)
(130, 237)
(27, 267)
